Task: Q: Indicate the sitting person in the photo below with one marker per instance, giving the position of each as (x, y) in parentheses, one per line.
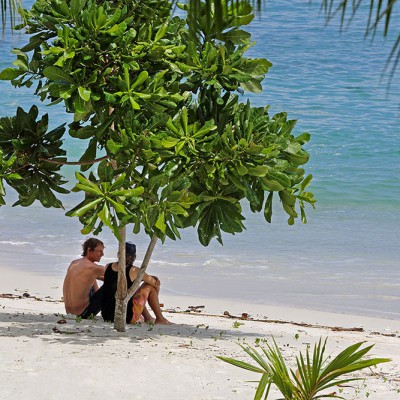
(81, 292)
(136, 307)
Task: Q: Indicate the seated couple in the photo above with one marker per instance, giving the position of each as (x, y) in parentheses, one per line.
(83, 297)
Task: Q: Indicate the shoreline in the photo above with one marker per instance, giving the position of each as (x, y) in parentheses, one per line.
(49, 354)
(50, 286)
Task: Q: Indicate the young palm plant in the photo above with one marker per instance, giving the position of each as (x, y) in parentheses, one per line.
(314, 374)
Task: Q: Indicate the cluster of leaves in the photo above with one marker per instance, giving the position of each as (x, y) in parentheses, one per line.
(314, 374)
(25, 151)
(93, 57)
(161, 101)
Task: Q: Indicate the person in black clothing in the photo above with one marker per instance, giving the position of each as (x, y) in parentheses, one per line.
(147, 292)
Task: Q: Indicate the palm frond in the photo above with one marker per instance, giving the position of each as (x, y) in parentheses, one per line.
(263, 366)
(263, 387)
(322, 378)
(279, 370)
(9, 11)
(379, 15)
(314, 373)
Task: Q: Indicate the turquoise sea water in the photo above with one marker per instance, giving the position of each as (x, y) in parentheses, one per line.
(346, 259)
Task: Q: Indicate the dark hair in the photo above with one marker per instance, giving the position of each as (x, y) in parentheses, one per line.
(130, 253)
(90, 244)
(130, 249)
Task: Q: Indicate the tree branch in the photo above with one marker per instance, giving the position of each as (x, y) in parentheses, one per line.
(74, 162)
(136, 283)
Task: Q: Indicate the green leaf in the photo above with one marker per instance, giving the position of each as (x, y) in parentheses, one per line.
(134, 104)
(271, 185)
(119, 181)
(252, 85)
(256, 67)
(290, 210)
(78, 212)
(84, 132)
(236, 36)
(113, 147)
(128, 192)
(89, 154)
(34, 42)
(88, 189)
(109, 98)
(105, 171)
(278, 178)
(84, 93)
(161, 32)
(141, 79)
(299, 158)
(169, 142)
(262, 385)
(242, 170)
(287, 197)
(306, 182)
(76, 7)
(172, 127)
(160, 223)
(57, 74)
(241, 364)
(9, 74)
(21, 63)
(303, 138)
(119, 208)
(259, 170)
(89, 225)
(105, 216)
(79, 108)
(86, 182)
(184, 118)
(268, 208)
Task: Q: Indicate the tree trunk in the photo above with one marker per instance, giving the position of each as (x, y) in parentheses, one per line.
(120, 315)
(121, 298)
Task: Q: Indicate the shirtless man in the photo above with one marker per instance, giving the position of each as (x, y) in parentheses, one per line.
(81, 292)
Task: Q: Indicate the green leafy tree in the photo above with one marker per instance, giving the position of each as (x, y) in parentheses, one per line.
(315, 375)
(380, 14)
(156, 98)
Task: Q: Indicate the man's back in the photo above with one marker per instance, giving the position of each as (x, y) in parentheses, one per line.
(80, 278)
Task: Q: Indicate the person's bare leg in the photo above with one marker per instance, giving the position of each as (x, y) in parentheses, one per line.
(147, 317)
(154, 304)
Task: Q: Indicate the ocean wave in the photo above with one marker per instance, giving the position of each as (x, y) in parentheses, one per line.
(12, 243)
(172, 291)
(48, 236)
(261, 267)
(43, 252)
(170, 263)
(219, 262)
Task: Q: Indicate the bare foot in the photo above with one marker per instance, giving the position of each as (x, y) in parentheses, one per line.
(138, 322)
(163, 321)
(150, 320)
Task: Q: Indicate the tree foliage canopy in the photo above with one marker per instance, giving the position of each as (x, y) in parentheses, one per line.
(380, 14)
(159, 100)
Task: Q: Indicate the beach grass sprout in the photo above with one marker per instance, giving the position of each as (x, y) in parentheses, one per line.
(315, 376)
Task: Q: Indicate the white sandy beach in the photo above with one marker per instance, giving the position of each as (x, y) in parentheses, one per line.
(44, 359)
